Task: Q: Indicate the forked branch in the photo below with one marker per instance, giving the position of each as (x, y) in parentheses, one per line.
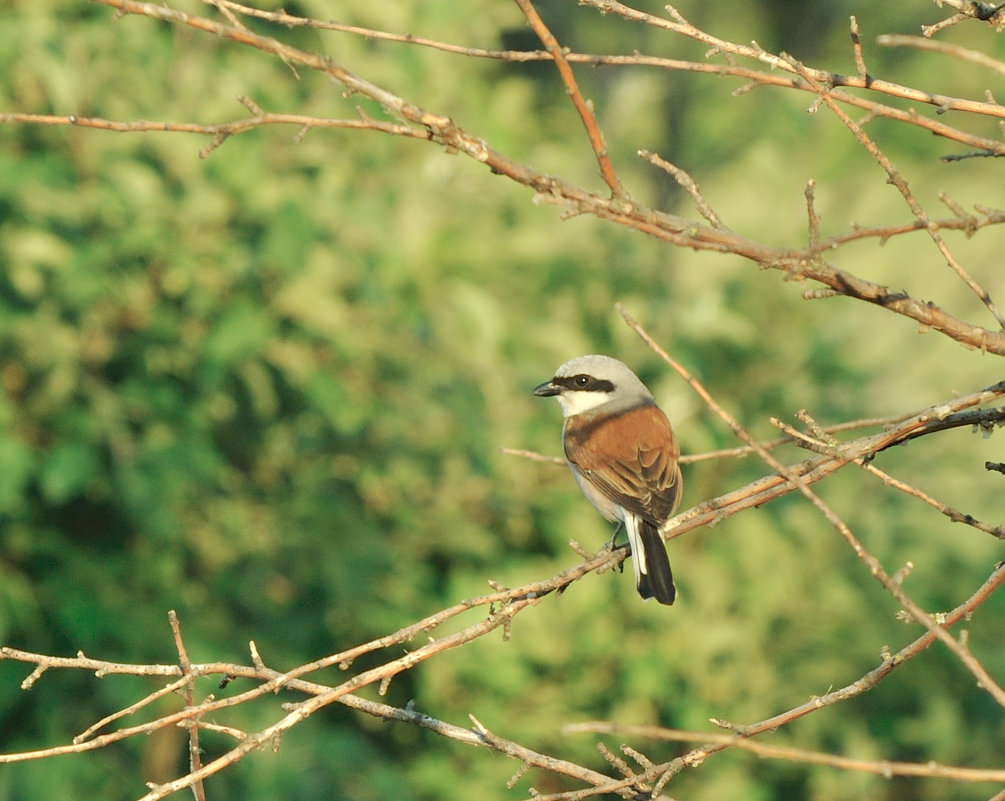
(804, 264)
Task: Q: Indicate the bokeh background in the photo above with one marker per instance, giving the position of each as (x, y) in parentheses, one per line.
(270, 389)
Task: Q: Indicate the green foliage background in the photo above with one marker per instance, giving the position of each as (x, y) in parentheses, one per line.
(270, 389)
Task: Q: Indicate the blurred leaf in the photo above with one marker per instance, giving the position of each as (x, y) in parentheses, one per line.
(17, 464)
(66, 470)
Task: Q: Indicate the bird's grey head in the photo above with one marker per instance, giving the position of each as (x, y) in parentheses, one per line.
(590, 383)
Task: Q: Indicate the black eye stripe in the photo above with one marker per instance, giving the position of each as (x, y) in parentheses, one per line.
(583, 383)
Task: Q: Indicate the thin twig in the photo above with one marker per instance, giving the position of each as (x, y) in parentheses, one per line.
(955, 51)
(967, 10)
(194, 750)
(958, 647)
(898, 181)
(811, 213)
(676, 23)
(883, 767)
(953, 514)
(983, 417)
(687, 183)
(583, 108)
(860, 71)
(870, 680)
(795, 264)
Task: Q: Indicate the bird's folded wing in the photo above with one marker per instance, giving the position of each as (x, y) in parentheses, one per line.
(631, 458)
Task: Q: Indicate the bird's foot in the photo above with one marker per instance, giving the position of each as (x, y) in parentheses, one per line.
(610, 544)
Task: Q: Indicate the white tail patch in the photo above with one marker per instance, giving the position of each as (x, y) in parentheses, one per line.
(638, 548)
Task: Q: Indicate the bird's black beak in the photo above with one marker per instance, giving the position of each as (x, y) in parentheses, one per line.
(547, 390)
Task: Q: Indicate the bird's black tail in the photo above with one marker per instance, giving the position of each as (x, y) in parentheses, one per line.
(652, 565)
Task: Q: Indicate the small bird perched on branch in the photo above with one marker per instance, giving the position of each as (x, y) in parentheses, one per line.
(623, 455)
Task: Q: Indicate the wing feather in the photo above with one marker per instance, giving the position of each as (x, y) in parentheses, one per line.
(631, 458)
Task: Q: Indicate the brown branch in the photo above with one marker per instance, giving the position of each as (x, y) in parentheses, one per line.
(898, 181)
(822, 442)
(536, 759)
(886, 768)
(274, 680)
(689, 185)
(800, 264)
(891, 662)
(954, 51)
(967, 223)
(596, 138)
(476, 736)
(770, 444)
(813, 218)
(768, 488)
(941, 102)
(288, 20)
(194, 750)
(220, 131)
(953, 514)
(968, 9)
(676, 23)
(300, 712)
(293, 21)
(797, 480)
(169, 689)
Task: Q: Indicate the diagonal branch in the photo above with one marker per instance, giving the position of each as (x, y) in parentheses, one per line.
(798, 264)
(963, 53)
(898, 181)
(553, 48)
(479, 735)
(891, 662)
(194, 750)
(755, 77)
(886, 768)
(890, 584)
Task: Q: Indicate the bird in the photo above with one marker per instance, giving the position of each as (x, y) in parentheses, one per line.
(624, 456)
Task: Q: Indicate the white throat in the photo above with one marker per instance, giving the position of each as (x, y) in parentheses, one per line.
(573, 403)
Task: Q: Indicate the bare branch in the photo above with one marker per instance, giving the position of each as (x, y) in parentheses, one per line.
(898, 181)
(891, 662)
(953, 514)
(968, 9)
(689, 185)
(955, 51)
(886, 768)
(797, 480)
(194, 750)
(797, 264)
(498, 609)
(553, 48)
(677, 24)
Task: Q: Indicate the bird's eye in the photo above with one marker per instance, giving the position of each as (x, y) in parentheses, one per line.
(582, 380)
